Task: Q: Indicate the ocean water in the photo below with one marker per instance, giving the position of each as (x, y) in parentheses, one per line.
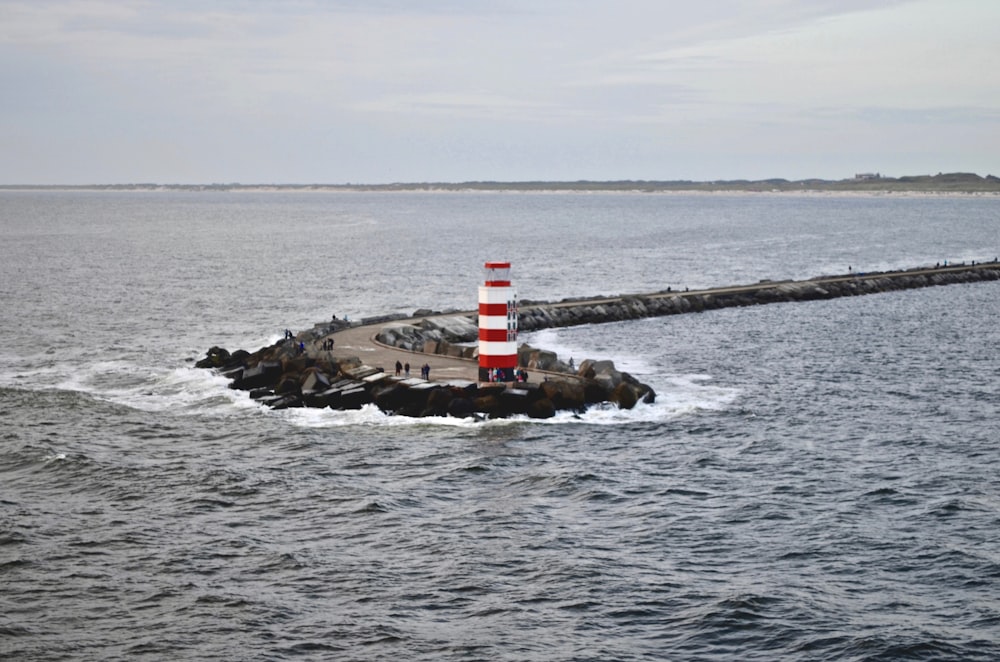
(815, 481)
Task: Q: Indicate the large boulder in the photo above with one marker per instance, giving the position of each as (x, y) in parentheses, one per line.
(594, 393)
(238, 358)
(289, 383)
(453, 328)
(390, 398)
(624, 396)
(297, 364)
(438, 401)
(314, 379)
(564, 394)
(488, 404)
(216, 357)
(515, 401)
(348, 363)
(586, 369)
(461, 407)
(541, 408)
(537, 359)
(264, 374)
(354, 398)
(286, 401)
(406, 336)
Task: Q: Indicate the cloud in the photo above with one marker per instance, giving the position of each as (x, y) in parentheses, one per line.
(561, 89)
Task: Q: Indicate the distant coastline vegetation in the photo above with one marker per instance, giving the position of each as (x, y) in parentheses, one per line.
(956, 182)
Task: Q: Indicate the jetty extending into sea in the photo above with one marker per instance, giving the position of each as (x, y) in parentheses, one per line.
(347, 365)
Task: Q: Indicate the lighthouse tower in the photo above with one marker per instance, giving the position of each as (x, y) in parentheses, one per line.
(497, 323)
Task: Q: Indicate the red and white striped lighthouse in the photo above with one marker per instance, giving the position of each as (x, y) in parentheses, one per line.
(497, 323)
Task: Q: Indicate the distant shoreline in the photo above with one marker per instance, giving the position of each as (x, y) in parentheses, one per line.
(932, 185)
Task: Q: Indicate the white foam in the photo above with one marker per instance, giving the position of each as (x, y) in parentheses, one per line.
(558, 340)
(691, 393)
(368, 415)
(193, 391)
(146, 388)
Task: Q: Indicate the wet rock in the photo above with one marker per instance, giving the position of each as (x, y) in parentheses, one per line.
(438, 402)
(391, 397)
(287, 401)
(594, 393)
(488, 404)
(624, 396)
(514, 401)
(216, 357)
(313, 379)
(288, 384)
(354, 398)
(264, 374)
(541, 408)
(564, 394)
(461, 407)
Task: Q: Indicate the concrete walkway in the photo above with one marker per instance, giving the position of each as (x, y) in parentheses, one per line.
(360, 341)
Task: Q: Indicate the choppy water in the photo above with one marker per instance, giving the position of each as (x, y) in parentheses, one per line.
(815, 481)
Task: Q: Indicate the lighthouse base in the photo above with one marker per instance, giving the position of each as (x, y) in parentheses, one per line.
(496, 374)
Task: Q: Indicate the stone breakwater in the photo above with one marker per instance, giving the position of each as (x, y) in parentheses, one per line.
(452, 335)
(567, 313)
(281, 377)
(292, 373)
(295, 373)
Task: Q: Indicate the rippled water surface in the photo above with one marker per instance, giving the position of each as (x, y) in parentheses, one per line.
(815, 481)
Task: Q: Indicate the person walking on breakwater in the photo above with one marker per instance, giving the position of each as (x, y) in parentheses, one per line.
(425, 371)
(399, 368)
(406, 370)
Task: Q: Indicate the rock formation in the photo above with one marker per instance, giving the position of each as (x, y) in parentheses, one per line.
(279, 377)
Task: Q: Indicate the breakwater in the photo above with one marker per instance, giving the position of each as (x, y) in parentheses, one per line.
(285, 375)
(304, 370)
(568, 313)
(451, 334)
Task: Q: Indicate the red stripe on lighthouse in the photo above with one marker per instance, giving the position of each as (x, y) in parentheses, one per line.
(493, 309)
(495, 335)
(508, 361)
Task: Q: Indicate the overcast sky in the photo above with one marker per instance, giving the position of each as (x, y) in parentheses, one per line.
(378, 91)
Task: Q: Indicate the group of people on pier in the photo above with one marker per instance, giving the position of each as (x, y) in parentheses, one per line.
(519, 375)
(404, 370)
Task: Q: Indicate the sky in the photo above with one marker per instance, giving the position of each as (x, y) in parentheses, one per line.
(383, 91)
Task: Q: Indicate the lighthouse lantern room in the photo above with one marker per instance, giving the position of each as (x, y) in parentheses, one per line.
(497, 324)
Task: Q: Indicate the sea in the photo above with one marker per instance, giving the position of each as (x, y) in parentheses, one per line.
(815, 481)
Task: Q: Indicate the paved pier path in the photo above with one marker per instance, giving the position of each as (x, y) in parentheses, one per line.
(360, 341)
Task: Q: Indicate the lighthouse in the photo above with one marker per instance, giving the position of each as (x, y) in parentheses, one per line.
(497, 323)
